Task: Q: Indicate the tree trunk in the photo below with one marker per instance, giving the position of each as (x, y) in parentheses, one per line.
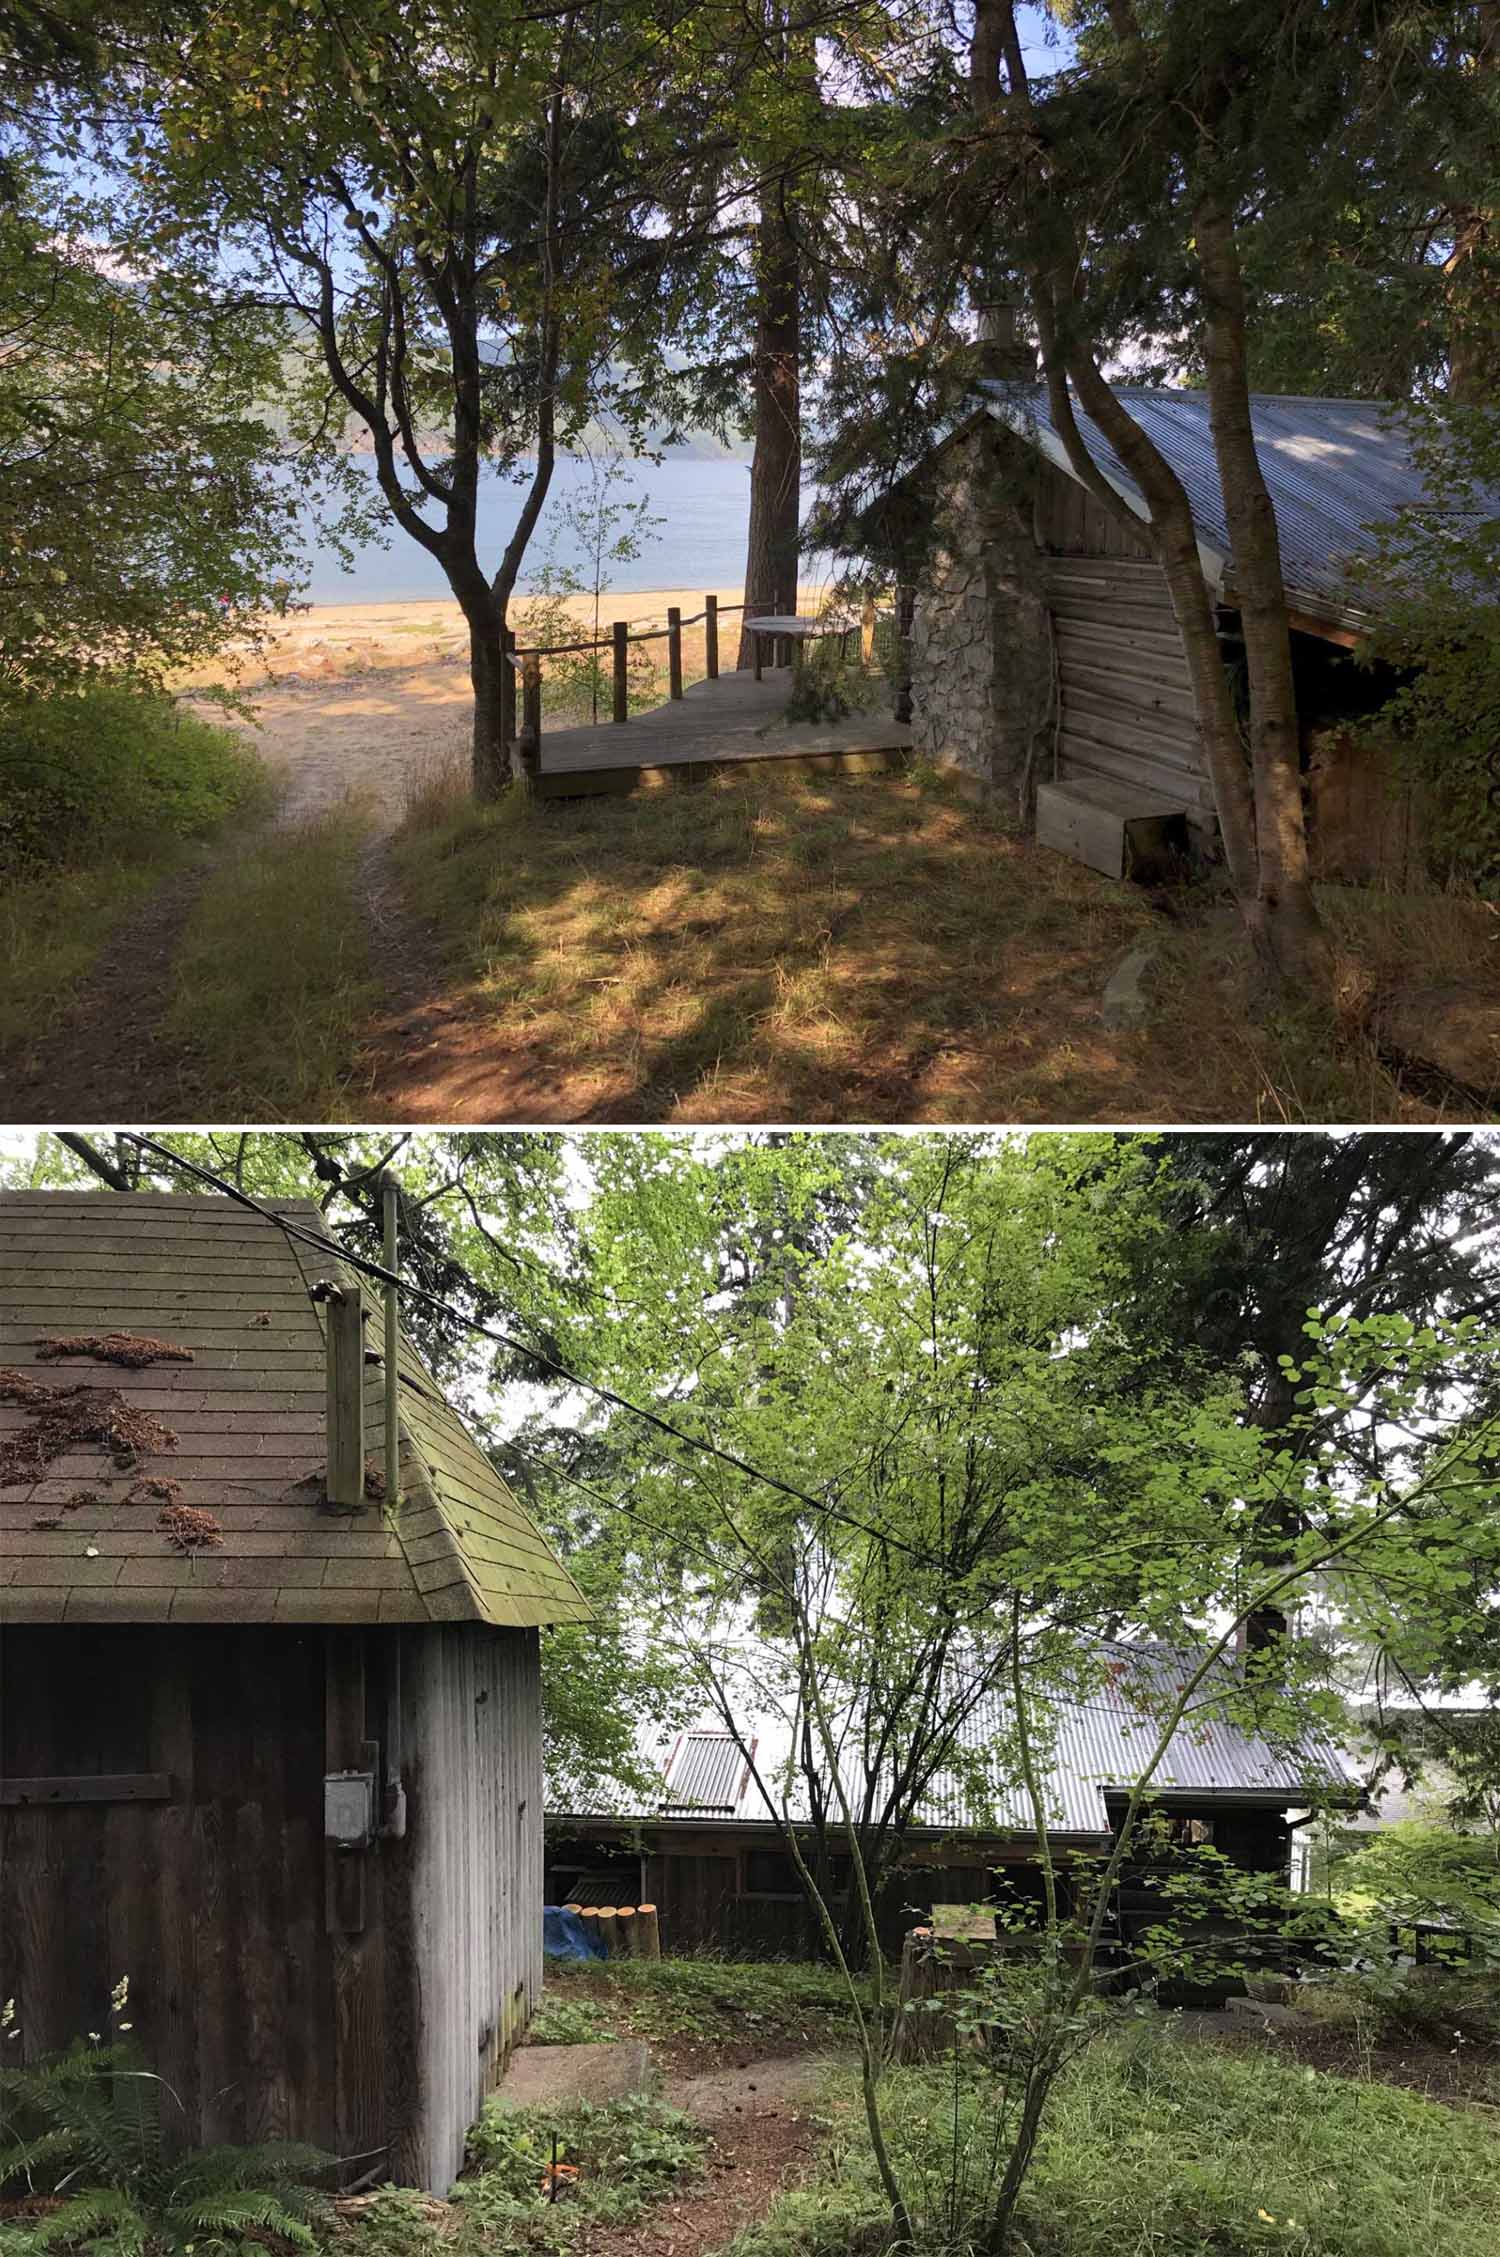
(1473, 265)
(1284, 885)
(776, 469)
(1056, 286)
(1175, 541)
(487, 663)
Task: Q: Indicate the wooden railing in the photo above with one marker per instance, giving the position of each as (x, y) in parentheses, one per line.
(526, 665)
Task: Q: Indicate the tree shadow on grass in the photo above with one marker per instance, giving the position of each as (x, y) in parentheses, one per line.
(764, 946)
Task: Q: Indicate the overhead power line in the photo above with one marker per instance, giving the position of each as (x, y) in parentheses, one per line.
(538, 1356)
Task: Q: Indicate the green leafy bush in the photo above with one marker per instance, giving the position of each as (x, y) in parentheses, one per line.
(1396, 2005)
(394, 2221)
(1415, 1871)
(827, 686)
(80, 774)
(84, 2127)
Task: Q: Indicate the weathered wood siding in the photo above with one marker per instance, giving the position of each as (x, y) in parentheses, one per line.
(212, 1900)
(283, 1989)
(1070, 522)
(1126, 698)
(473, 1766)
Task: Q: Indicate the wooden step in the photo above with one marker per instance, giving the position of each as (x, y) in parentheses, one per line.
(1113, 827)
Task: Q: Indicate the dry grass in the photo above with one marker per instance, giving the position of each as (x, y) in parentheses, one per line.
(775, 946)
(273, 980)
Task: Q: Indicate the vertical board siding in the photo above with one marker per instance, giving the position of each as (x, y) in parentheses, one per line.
(473, 1767)
(376, 2038)
(1069, 520)
(196, 1899)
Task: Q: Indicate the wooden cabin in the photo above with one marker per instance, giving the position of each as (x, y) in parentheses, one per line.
(1044, 655)
(271, 1751)
(705, 1851)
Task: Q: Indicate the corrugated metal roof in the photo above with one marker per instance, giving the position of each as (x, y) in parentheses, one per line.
(243, 1412)
(706, 1772)
(1102, 1737)
(1334, 468)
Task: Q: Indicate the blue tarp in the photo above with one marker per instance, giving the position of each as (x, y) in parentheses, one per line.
(564, 1935)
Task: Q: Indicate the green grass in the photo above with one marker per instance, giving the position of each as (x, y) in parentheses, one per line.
(762, 2001)
(100, 797)
(273, 981)
(1160, 2146)
(54, 924)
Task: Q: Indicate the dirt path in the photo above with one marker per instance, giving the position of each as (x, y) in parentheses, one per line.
(107, 1056)
(761, 2122)
(371, 735)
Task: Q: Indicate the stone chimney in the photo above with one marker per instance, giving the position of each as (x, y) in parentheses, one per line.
(1006, 353)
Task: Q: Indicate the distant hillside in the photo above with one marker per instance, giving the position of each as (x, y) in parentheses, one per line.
(695, 445)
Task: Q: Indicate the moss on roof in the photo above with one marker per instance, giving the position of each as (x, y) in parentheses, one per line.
(237, 1423)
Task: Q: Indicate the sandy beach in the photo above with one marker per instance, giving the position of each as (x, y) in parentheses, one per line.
(370, 697)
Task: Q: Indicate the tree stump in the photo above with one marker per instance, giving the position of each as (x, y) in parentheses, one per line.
(936, 1963)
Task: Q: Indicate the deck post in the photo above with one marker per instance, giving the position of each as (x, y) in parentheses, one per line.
(905, 606)
(758, 644)
(507, 687)
(620, 631)
(674, 650)
(529, 743)
(711, 636)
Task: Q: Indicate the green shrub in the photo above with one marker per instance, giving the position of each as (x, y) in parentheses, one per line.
(1416, 1871)
(80, 774)
(84, 2127)
(827, 686)
(614, 2160)
(1396, 2005)
(394, 2221)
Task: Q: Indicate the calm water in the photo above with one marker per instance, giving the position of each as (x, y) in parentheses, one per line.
(706, 506)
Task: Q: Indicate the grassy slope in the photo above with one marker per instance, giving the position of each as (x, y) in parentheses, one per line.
(770, 946)
(1160, 2146)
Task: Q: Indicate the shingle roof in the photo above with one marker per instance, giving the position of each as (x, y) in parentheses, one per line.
(1335, 468)
(247, 1411)
(1101, 1741)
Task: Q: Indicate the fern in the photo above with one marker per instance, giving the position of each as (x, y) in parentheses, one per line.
(103, 2219)
(85, 2125)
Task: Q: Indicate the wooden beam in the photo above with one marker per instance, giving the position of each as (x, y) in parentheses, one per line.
(103, 1786)
(344, 1346)
(1303, 623)
(711, 636)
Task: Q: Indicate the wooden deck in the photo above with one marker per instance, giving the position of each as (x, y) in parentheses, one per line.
(714, 725)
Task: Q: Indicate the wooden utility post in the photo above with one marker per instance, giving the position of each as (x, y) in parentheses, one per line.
(674, 650)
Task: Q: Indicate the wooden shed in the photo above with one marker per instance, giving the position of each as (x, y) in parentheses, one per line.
(278, 1764)
(1045, 655)
(706, 1852)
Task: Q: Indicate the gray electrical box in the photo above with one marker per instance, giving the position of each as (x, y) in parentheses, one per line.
(349, 1808)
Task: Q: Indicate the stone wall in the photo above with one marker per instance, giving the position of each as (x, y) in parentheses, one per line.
(981, 654)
